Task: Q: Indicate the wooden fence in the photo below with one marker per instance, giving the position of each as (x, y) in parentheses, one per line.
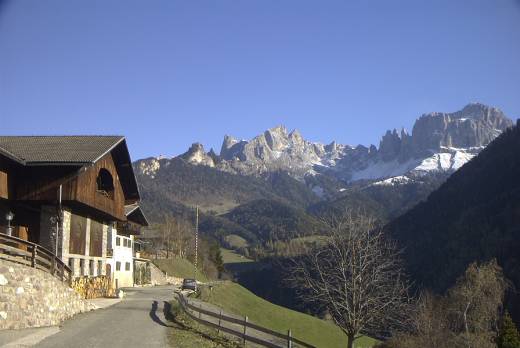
(33, 255)
(267, 338)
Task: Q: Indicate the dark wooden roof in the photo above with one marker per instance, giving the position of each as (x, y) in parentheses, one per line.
(76, 150)
(134, 213)
(52, 150)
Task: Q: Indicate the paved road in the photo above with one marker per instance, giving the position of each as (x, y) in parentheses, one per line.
(137, 321)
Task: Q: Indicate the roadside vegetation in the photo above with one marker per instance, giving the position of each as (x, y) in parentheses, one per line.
(233, 298)
(186, 333)
(470, 314)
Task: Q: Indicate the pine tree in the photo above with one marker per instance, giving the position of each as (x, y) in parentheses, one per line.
(508, 336)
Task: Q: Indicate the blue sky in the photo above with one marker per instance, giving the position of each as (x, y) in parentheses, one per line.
(168, 73)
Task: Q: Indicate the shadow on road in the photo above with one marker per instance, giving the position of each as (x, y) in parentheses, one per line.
(154, 316)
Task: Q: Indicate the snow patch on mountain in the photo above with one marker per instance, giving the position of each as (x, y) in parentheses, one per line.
(439, 142)
(397, 180)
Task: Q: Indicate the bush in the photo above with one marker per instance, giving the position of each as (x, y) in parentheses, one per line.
(508, 336)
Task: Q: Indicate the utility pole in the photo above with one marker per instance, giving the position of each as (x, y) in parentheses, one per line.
(196, 236)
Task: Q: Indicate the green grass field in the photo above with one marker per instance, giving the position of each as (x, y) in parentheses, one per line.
(180, 268)
(230, 256)
(236, 299)
(236, 241)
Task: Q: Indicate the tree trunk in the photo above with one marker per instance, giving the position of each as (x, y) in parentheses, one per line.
(350, 342)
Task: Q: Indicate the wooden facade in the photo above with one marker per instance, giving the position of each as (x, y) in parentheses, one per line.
(129, 228)
(78, 234)
(41, 184)
(4, 192)
(8, 170)
(86, 189)
(96, 239)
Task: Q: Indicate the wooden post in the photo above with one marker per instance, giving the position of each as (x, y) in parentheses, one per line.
(219, 321)
(289, 339)
(53, 265)
(33, 257)
(245, 329)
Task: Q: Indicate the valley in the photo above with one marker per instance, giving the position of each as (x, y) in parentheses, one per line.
(264, 202)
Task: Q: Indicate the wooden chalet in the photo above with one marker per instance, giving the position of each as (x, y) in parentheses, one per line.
(68, 194)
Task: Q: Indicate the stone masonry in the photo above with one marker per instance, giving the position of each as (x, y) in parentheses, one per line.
(30, 297)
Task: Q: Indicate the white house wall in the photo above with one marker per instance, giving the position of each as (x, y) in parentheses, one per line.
(124, 255)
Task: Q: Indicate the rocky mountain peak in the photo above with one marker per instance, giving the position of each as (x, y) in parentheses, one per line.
(277, 138)
(476, 125)
(196, 155)
(439, 141)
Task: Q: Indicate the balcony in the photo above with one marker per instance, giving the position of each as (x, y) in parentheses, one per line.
(128, 228)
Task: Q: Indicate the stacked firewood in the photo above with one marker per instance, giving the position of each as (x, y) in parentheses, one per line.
(93, 287)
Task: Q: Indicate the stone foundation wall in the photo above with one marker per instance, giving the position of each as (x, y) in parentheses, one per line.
(30, 297)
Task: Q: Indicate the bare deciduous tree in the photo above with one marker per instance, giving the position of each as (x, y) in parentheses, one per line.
(356, 276)
(477, 302)
(467, 317)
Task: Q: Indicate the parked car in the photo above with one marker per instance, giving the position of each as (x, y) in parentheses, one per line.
(189, 284)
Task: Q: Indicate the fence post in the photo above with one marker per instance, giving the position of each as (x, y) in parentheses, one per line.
(53, 265)
(245, 329)
(33, 257)
(219, 321)
(289, 339)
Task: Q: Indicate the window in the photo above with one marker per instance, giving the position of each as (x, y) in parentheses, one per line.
(91, 267)
(105, 183)
(118, 241)
(124, 242)
(129, 243)
(99, 267)
(118, 266)
(127, 266)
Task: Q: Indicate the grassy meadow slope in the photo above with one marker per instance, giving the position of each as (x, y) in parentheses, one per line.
(236, 299)
(180, 268)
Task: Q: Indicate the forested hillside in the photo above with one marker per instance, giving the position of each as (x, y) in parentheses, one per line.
(272, 220)
(473, 216)
(181, 183)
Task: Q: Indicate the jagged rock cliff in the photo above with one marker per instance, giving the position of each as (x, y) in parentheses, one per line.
(440, 142)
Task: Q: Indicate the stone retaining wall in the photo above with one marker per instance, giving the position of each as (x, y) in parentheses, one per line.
(30, 297)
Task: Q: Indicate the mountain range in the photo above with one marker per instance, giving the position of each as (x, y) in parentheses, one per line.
(280, 170)
(440, 142)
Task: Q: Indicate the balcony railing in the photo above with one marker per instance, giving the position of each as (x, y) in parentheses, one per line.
(128, 228)
(33, 255)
